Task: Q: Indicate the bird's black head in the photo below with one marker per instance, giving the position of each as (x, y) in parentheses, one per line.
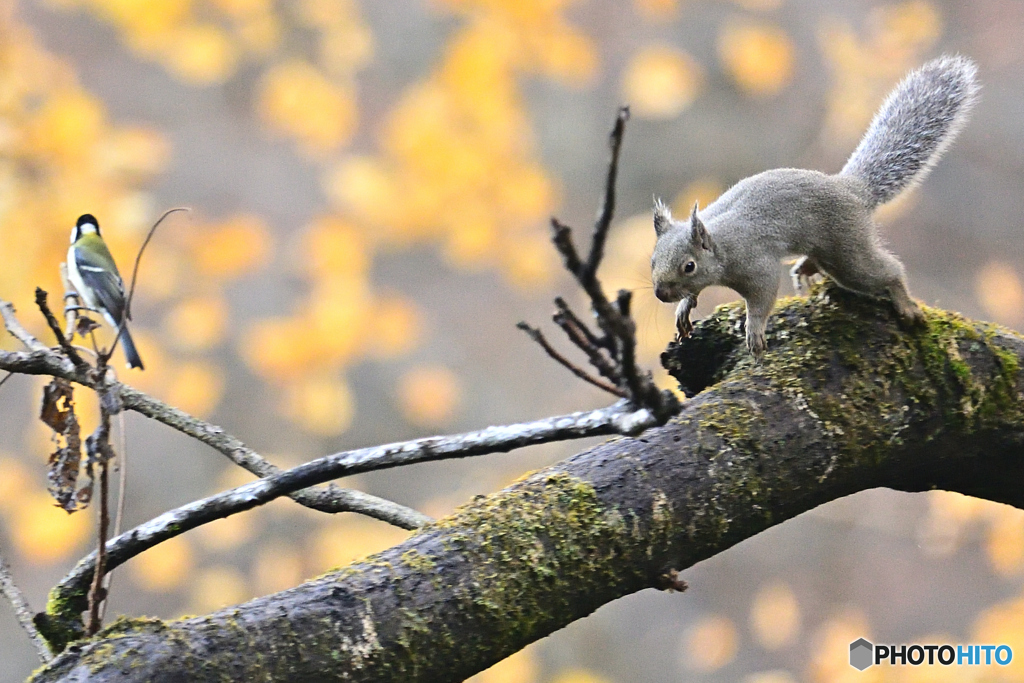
(86, 224)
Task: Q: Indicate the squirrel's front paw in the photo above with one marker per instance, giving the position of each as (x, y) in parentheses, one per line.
(683, 328)
(756, 344)
(911, 316)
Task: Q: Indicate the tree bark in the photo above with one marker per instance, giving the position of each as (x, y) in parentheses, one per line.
(844, 401)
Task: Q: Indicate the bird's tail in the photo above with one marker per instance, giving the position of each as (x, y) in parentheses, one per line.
(130, 352)
(915, 125)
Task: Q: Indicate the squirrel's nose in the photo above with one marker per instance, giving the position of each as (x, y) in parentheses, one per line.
(662, 292)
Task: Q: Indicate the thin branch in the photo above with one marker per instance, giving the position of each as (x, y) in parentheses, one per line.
(604, 218)
(561, 236)
(639, 389)
(100, 453)
(613, 319)
(616, 419)
(70, 311)
(22, 611)
(538, 337)
(332, 499)
(51, 320)
(38, 362)
(122, 489)
(17, 331)
(127, 312)
(97, 593)
(564, 309)
(584, 339)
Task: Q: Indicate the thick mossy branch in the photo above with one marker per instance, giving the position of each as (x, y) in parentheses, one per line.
(843, 400)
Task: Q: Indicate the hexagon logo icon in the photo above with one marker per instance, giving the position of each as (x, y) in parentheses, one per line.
(861, 654)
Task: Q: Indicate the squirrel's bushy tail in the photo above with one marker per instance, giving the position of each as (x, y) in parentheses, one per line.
(914, 127)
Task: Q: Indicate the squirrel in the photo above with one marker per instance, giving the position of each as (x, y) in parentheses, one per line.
(739, 239)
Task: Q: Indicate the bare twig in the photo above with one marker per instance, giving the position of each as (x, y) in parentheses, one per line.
(42, 360)
(331, 499)
(584, 339)
(70, 351)
(616, 419)
(97, 593)
(70, 310)
(618, 328)
(561, 235)
(566, 311)
(537, 336)
(604, 218)
(17, 331)
(127, 313)
(22, 611)
(627, 332)
(122, 487)
(100, 453)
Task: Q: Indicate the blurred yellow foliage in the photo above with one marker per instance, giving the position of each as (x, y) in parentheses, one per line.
(1005, 543)
(321, 405)
(865, 69)
(429, 395)
(197, 324)
(163, 568)
(203, 54)
(775, 616)
(396, 327)
(227, 533)
(579, 676)
(1002, 624)
(522, 667)
(759, 57)
(830, 658)
(709, 644)
(15, 481)
(770, 677)
(299, 100)
(277, 566)
(212, 588)
(195, 387)
(333, 246)
(1001, 293)
(232, 247)
(345, 539)
(702, 190)
(661, 82)
(42, 533)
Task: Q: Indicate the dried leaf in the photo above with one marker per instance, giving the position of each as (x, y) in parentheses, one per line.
(58, 404)
(58, 413)
(85, 325)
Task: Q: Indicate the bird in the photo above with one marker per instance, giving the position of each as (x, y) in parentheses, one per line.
(93, 272)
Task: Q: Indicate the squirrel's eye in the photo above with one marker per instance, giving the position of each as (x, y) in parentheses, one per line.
(689, 267)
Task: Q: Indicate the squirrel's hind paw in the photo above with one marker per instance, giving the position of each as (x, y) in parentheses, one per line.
(756, 344)
(911, 316)
(801, 273)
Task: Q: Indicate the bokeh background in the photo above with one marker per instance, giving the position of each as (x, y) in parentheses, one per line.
(370, 184)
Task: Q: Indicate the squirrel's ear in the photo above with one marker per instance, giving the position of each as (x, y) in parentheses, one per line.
(662, 217)
(700, 233)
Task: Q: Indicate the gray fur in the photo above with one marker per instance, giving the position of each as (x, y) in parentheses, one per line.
(739, 240)
(915, 126)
